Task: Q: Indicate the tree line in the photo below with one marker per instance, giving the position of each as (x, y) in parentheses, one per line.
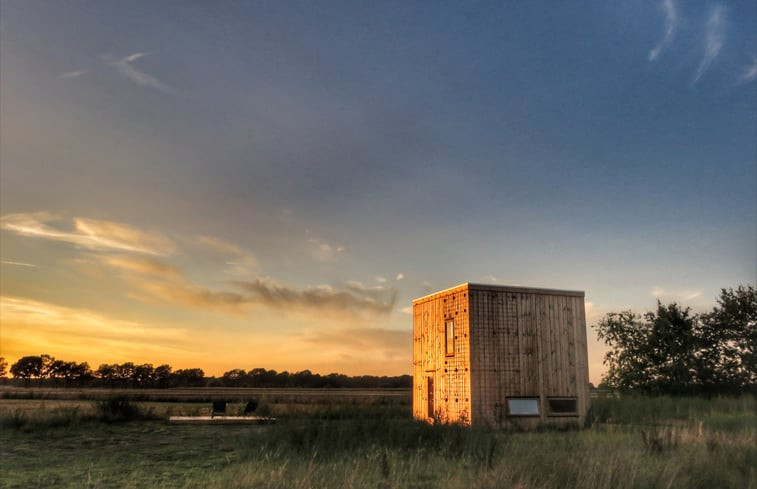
(45, 370)
(673, 351)
(666, 351)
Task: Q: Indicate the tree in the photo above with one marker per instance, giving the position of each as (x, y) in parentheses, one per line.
(107, 372)
(124, 373)
(143, 375)
(162, 376)
(3, 368)
(80, 373)
(29, 367)
(188, 377)
(70, 372)
(234, 378)
(733, 323)
(672, 351)
(59, 369)
(48, 363)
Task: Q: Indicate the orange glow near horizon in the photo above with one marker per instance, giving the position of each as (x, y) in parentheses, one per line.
(33, 328)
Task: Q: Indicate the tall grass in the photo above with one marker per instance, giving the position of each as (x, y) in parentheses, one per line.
(628, 443)
(51, 414)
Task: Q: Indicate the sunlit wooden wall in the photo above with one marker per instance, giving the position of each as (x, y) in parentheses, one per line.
(510, 342)
(450, 374)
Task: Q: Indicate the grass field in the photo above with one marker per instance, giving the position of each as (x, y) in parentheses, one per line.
(628, 443)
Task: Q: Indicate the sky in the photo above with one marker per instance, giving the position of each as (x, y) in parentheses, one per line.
(270, 184)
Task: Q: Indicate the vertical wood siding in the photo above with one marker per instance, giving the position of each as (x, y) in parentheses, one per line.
(509, 342)
(451, 374)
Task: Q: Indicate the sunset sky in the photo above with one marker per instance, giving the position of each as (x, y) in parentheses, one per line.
(269, 184)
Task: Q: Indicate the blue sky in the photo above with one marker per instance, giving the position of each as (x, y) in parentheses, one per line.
(285, 177)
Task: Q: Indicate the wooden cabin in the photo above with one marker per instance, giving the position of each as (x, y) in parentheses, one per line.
(500, 356)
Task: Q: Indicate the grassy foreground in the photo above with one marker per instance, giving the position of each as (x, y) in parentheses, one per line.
(628, 443)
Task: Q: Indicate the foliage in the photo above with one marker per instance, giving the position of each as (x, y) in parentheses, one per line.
(58, 373)
(260, 377)
(672, 351)
(3, 368)
(29, 367)
(119, 409)
(188, 377)
(733, 325)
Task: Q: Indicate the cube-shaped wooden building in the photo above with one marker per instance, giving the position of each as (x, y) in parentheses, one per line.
(499, 356)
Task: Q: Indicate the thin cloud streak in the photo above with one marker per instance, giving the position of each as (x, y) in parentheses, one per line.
(353, 299)
(92, 234)
(186, 294)
(32, 325)
(749, 72)
(125, 67)
(671, 22)
(143, 266)
(73, 74)
(682, 296)
(350, 299)
(243, 262)
(323, 251)
(23, 311)
(714, 40)
(18, 264)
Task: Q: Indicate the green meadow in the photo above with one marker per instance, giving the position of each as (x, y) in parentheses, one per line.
(630, 442)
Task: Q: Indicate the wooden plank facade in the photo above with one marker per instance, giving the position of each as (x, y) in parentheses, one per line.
(499, 356)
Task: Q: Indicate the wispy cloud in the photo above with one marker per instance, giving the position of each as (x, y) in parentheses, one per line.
(73, 74)
(187, 294)
(18, 264)
(749, 72)
(671, 22)
(92, 234)
(25, 310)
(714, 39)
(143, 266)
(59, 330)
(352, 299)
(682, 296)
(349, 299)
(242, 262)
(125, 66)
(322, 250)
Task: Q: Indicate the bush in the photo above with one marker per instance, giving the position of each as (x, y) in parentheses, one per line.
(118, 409)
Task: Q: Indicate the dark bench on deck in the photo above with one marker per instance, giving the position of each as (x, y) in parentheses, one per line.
(219, 408)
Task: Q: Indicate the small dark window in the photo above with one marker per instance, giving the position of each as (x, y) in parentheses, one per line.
(563, 406)
(430, 396)
(449, 337)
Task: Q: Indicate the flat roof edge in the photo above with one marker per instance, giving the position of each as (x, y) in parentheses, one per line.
(504, 288)
(428, 296)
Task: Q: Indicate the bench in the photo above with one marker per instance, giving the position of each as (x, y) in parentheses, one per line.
(219, 409)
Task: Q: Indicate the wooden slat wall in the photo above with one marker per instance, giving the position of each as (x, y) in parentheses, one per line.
(510, 342)
(452, 389)
(526, 344)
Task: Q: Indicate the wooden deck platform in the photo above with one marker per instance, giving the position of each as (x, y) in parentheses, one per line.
(221, 420)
